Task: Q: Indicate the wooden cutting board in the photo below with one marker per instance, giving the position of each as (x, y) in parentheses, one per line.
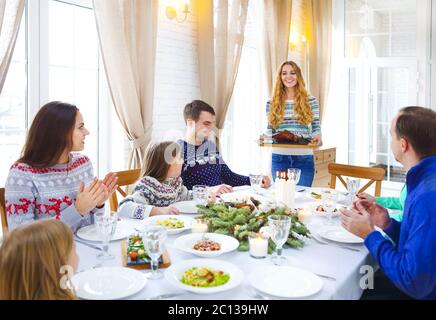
(291, 146)
(166, 262)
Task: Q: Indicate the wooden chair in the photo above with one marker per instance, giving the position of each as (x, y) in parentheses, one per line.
(125, 178)
(3, 211)
(376, 175)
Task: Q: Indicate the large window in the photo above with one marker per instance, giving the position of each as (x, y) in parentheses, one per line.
(57, 58)
(383, 67)
(72, 68)
(246, 116)
(13, 106)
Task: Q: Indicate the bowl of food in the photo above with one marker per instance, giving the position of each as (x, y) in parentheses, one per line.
(174, 224)
(206, 245)
(319, 210)
(316, 194)
(204, 276)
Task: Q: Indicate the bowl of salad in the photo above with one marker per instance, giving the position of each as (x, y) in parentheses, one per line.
(174, 224)
(204, 276)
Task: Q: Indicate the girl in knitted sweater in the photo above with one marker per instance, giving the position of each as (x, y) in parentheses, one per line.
(160, 185)
(51, 180)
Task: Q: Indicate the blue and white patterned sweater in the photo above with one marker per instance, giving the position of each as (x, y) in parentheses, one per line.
(149, 193)
(203, 165)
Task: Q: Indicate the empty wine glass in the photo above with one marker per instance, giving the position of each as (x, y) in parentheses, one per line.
(200, 194)
(329, 200)
(154, 244)
(280, 226)
(353, 186)
(256, 182)
(294, 174)
(106, 226)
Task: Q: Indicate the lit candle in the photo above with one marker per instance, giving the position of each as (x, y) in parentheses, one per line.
(279, 185)
(258, 245)
(303, 215)
(289, 193)
(199, 226)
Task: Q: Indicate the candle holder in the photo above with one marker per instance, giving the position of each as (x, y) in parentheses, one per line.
(258, 245)
(199, 225)
(285, 186)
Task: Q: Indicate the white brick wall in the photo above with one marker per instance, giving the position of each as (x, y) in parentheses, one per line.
(177, 78)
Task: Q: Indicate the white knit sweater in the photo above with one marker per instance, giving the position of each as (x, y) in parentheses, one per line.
(33, 194)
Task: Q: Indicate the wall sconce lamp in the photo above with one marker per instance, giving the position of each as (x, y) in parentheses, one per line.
(171, 9)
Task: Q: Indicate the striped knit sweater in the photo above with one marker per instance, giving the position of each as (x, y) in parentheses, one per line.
(291, 123)
(33, 194)
(149, 193)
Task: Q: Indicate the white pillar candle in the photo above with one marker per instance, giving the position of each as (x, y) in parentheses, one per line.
(290, 193)
(199, 226)
(258, 246)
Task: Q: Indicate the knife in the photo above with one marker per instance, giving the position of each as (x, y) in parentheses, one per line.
(87, 244)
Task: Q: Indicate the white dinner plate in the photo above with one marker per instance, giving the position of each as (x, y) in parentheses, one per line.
(89, 233)
(186, 243)
(285, 281)
(187, 221)
(108, 283)
(309, 195)
(338, 234)
(174, 273)
(187, 207)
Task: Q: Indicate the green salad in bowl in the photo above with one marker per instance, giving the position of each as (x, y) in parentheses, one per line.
(171, 223)
(204, 277)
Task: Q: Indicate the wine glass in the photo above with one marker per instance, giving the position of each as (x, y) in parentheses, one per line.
(200, 194)
(256, 182)
(106, 226)
(154, 244)
(329, 200)
(294, 174)
(353, 186)
(280, 226)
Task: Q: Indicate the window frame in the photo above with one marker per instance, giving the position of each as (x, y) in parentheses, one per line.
(37, 69)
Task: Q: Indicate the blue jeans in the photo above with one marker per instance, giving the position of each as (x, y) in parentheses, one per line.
(304, 163)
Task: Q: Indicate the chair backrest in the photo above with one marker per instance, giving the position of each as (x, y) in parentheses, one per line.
(376, 175)
(3, 211)
(125, 178)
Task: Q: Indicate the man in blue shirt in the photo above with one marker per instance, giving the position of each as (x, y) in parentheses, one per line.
(410, 263)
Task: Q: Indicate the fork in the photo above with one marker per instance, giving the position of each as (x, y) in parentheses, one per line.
(98, 265)
(165, 296)
(323, 242)
(255, 294)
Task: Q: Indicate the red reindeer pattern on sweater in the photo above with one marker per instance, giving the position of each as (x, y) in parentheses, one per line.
(54, 207)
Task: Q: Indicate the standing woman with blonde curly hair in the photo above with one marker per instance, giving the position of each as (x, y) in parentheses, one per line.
(293, 111)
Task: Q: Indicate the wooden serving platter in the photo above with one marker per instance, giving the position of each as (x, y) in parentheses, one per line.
(291, 146)
(164, 262)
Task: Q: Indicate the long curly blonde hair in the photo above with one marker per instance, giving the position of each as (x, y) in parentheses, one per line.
(302, 108)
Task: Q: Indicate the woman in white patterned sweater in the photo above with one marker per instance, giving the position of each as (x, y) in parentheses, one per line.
(49, 180)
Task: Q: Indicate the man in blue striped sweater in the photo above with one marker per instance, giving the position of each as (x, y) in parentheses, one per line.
(410, 263)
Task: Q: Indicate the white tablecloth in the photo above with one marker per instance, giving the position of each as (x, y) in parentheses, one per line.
(344, 265)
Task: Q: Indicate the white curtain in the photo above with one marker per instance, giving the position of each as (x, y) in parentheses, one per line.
(320, 50)
(11, 12)
(220, 47)
(276, 28)
(127, 30)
